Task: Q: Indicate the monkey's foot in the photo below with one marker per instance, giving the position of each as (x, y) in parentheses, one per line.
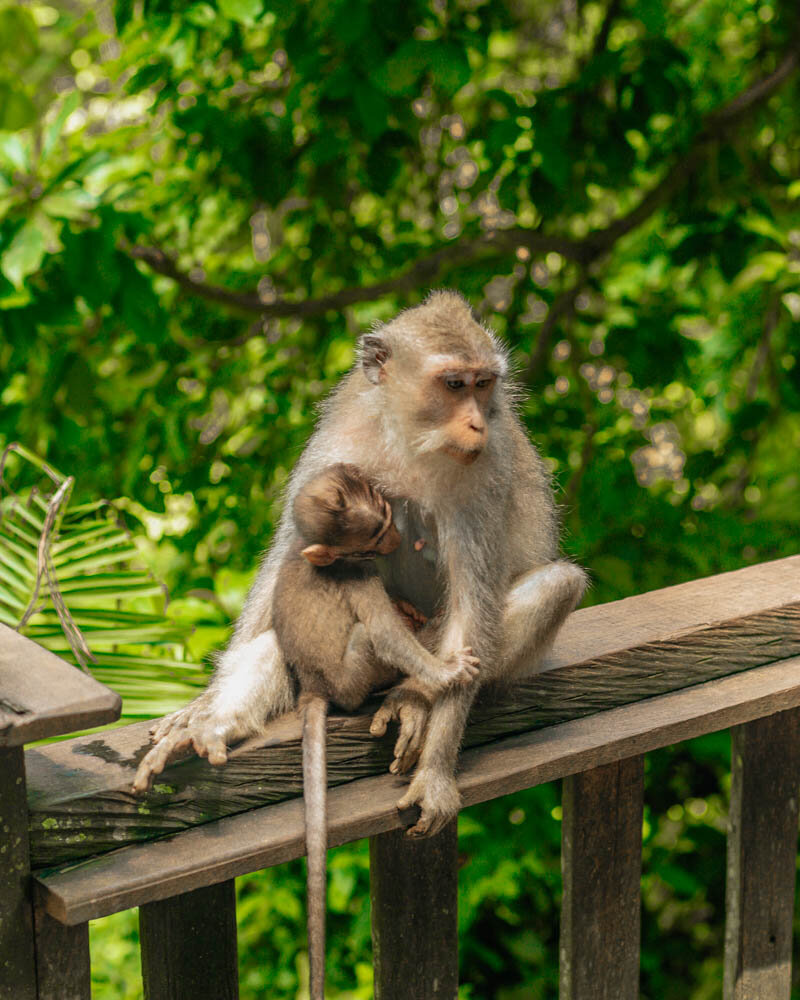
(410, 711)
(438, 798)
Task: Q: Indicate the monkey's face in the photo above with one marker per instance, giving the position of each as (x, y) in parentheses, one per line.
(457, 411)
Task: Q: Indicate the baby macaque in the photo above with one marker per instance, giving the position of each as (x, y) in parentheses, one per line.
(335, 623)
(343, 637)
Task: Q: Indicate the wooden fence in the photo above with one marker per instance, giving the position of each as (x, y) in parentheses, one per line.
(623, 679)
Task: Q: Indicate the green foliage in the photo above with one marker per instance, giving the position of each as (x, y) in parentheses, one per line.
(69, 579)
(175, 180)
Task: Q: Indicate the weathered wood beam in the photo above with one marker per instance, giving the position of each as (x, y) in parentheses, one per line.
(762, 853)
(189, 945)
(414, 896)
(274, 834)
(605, 656)
(41, 695)
(17, 960)
(62, 959)
(601, 863)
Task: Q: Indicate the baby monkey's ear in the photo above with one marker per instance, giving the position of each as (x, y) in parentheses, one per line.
(319, 555)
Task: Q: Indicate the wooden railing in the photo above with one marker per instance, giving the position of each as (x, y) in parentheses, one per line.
(623, 679)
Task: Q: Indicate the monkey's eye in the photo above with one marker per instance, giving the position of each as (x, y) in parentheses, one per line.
(454, 383)
(482, 383)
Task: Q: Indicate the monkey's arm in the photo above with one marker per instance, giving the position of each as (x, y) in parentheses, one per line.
(395, 645)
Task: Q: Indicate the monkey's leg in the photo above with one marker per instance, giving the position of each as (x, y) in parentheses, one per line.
(433, 787)
(536, 607)
(361, 671)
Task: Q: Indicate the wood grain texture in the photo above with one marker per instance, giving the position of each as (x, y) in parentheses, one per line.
(189, 945)
(62, 959)
(605, 656)
(414, 896)
(17, 963)
(42, 695)
(762, 851)
(601, 863)
(271, 835)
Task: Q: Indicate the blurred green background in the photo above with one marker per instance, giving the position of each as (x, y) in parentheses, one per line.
(202, 206)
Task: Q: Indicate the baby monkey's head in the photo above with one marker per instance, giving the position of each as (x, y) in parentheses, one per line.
(340, 515)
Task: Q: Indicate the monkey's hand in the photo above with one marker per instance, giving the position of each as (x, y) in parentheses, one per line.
(409, 709)
(459, 669)
(413, 617)
(438, 798)
(175, 733)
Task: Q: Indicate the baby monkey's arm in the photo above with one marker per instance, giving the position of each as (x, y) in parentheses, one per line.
(396, 646)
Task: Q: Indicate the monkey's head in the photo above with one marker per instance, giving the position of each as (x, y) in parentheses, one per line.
(439, 370)
(340, 515)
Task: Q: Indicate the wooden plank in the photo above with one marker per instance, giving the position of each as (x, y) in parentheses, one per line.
(62, 959)
(414, 896)
(189, 945)
(17, 965)
(762, 851)
(275, 834)
(42, 695)
(601, 862)
(605, 656)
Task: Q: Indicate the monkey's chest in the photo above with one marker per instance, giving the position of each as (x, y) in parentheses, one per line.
(411, 572)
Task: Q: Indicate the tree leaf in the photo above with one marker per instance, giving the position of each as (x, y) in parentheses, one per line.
(243, 11)
(403, 68)
(15, 152)
(24, 254)
(450, 66)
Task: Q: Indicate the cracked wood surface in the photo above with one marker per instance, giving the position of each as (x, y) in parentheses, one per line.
(274, 834)
(605, 656)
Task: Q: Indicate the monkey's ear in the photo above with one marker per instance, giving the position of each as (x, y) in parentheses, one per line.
(374, 355)
(319, 555)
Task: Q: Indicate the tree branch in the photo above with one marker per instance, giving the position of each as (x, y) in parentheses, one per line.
(560, 311)
(426, 270)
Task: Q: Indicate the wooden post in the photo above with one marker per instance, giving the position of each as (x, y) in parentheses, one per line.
(601, 860)
(17, 962)
(762, 847)
(189, 945)
(414, 893)
(62, 959)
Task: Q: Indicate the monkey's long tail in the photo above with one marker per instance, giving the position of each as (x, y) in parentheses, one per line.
(315, 795)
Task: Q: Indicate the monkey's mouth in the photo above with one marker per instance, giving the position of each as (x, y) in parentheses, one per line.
(464, 456)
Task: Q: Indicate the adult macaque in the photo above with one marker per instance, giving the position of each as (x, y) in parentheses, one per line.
(343, 638)
(427, 415)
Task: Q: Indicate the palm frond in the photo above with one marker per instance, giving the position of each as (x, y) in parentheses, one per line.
(72, 580)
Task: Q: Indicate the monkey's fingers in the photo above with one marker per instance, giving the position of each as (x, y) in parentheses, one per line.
(429, 823)
(408, 745)
(156, 759)
(211, 745)
(381, 719)
(163, 727)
